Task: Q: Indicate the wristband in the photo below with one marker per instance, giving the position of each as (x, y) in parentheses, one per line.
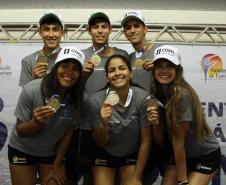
(183, 183)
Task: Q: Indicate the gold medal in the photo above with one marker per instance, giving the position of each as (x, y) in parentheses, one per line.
(54, 102)
(112, 98)
(42, 59)
(96, 59)
(138, 63)
(152, 103)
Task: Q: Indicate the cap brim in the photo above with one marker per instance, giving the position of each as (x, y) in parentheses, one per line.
(131, 17)
(168, 59)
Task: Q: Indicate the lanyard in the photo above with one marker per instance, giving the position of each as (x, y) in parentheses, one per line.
(99, 50)
(140, 53)
(41, 53)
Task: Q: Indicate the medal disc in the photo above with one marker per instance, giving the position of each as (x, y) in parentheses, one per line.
(152, 103)
(96, 59)
(138, 63)
(54, 102)
(42, 59)
(112, 98)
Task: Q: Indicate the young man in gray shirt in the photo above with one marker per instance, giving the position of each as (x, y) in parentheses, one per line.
(39, 63)
(135, 31)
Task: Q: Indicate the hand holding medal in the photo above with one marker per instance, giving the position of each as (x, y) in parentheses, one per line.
(152, 110)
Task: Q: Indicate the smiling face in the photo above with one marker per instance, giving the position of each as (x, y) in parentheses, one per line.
(118, 73)
(68, 73)
(100, 32)
(135, 31)
(51, 35)
(165, 72)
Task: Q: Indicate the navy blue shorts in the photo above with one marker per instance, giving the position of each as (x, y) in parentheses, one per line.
(20, 158)
(106, 160)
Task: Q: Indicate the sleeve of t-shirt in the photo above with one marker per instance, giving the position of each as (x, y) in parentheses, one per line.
(185, 107)
(24, 107)
(26, 72)
(93, 112)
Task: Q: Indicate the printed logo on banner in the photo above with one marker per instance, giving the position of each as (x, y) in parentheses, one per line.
(5, 70)
(212, 66)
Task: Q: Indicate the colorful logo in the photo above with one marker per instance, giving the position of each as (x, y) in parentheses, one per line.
(212, 66)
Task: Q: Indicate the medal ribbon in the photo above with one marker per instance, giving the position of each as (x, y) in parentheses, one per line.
(140, 53)
(99, 50)
(129, 96)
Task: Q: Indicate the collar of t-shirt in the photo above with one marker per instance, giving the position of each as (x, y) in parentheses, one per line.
(129, 96)
(140, 53)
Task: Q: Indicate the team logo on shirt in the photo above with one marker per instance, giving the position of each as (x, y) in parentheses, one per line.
(212, 67)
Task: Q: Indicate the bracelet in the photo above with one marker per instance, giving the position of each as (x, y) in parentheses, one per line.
(183, 183)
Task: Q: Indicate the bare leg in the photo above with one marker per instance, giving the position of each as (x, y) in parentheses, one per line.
(43, 173)
(126, 173)
(23, 174)
(103, 175)
(196, 178)
(170, 176)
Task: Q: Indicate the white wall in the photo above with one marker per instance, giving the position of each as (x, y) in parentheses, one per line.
(153, 16)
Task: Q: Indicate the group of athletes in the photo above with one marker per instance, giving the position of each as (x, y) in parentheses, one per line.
(108, 117)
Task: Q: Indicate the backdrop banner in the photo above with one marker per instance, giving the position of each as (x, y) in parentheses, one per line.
(204, 68)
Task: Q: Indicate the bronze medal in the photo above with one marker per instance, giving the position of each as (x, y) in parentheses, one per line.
(138, 63)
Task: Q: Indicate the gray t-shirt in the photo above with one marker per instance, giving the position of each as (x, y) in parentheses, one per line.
(124, 127)
(27, 65)
(185, 112)
(45, 142)
(140, 76)
(96, 81)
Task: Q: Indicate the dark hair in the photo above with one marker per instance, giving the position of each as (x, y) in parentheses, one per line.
(123, 58)
(50, 86)
(176, 89)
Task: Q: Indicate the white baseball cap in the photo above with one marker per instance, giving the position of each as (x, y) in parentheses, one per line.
(132, 14)
(71, 53)
(169, 53)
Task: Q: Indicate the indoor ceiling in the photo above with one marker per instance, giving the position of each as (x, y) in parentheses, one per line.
(205, 5)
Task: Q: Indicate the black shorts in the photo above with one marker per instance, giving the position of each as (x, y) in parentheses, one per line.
(106, 160)
(20, 158)
(206, 164)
